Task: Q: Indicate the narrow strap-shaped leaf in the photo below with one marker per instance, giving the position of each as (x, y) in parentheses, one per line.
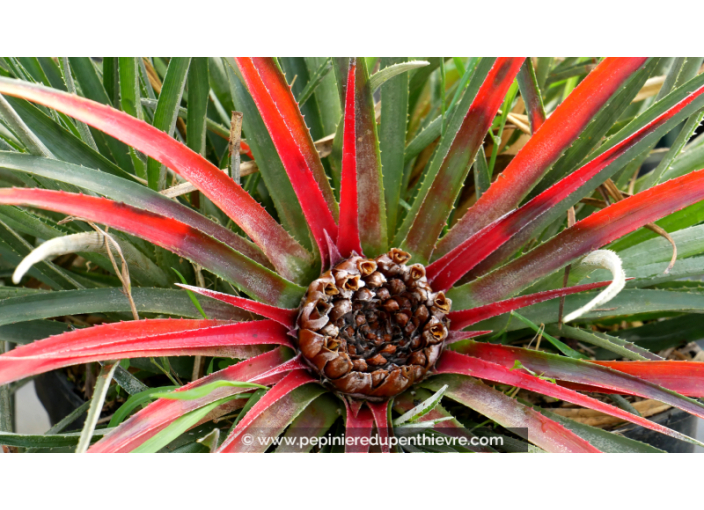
(529, 218)
(130, 102)
(72, 302)
(150, 420)
(460, 319)
(452, 162)
(238, 438)
(280, 113)
(168, 233)
(542, 431)
(392, 138)
(685, 377)
(454, 363)
(284, 316)
(362, 210)
(380, 411)
(358, 429)
(371, 205)
(289, 257)
(583, 237)
(584, 372)
(197, 116)
(166, 113)
(139, 339)
(544, 148)
(530, 92)
(348, 239)
(453, 428)
(130, 193)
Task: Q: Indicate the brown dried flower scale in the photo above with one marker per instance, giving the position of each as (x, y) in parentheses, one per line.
(371, 328)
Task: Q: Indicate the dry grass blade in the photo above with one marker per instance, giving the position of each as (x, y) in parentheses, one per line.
(234, 145)
(124, 273)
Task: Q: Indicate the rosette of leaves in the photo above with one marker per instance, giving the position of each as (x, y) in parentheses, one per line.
(380, 215)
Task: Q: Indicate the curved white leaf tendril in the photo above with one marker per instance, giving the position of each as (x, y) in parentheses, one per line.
(605, 259)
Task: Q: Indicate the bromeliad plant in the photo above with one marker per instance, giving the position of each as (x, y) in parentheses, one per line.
(450, 215)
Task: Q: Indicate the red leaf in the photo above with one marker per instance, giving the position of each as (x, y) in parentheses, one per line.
(380, 410)
(558, 132)
(168, 233)
(284, 316)
(585, 236)
(431, 216)
(599, 378)
(140, 339)
(542, 431)
(289, 383)
(288, 257)
(445, 271)
(455, 363)
(463, 318)
(159, 414)
(283, 119)
(685, 377)
(358, 429)
(348, 237)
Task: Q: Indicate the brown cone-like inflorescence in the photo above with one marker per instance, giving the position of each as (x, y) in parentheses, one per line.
(371, 328)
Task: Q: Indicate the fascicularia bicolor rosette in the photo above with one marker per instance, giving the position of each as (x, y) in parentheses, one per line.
(371, 328)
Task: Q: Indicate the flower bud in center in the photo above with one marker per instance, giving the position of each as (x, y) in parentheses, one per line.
(371, 328)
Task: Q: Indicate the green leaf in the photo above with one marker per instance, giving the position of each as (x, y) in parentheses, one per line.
(315, 80)
(198, 90)
(191, 295)
(206, 389)
(421, 409)
(608, 342)
(392, 137)
(327, 97)
(75, 302)
(178, 427)
(607, 442)
(560, 346)
(27, 332)
(628, 303)
(128, 70)
(47, 441)
(386, 73)
(166, 113)
(134, 401)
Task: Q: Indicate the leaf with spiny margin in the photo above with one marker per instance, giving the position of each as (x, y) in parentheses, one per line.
(270, 166)
(290, 259)
(392, 138)
(585, 236)
(448, 169)
(542, 431)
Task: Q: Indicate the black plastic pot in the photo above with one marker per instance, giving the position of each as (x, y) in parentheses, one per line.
(59, 397)
(675, 419)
